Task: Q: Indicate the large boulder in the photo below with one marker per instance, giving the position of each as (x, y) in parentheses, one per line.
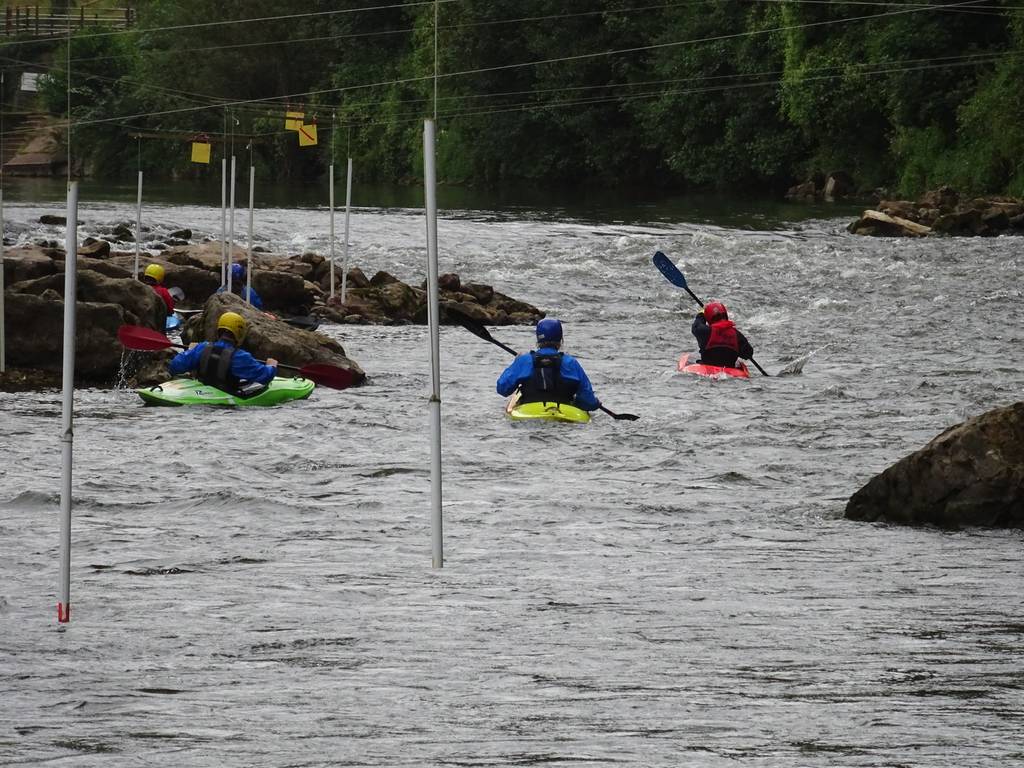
(139, 304)
(283, 291)
(28, 262)
(197, 283)
(37, 340)
(970, 475)
(202, 255)
(35, 323)
(268, 337)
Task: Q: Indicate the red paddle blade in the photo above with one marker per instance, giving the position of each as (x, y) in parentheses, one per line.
(328, 375)
(143, 339)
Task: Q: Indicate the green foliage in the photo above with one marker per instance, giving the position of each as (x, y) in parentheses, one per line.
(715, 94)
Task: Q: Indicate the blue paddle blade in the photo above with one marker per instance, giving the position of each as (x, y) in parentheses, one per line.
(669, 270)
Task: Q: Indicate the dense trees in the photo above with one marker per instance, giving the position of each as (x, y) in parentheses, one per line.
(728, 94)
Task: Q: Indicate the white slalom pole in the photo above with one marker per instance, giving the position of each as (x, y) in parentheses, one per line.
(248, 258)
(223, 220)
(231, 225)
(67, 437)
(3, 329)
(330, 196)
(433, 316)
(348, 209)
(138, 225)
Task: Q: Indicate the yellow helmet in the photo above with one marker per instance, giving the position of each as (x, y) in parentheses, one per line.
(156, 272)
(235, 324)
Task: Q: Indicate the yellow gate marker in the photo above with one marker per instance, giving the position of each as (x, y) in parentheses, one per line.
(307, 135)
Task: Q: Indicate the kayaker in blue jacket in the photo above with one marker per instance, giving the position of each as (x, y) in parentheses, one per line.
(547, 374)
(719, 340)
(222, 364)
(238, 286)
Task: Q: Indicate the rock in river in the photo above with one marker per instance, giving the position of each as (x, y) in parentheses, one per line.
(970, 475)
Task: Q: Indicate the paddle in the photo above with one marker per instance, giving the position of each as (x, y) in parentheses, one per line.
(147, 340)
(477, 329)
(674, 276)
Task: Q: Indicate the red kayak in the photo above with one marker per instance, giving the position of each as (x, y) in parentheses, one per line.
(711, 371)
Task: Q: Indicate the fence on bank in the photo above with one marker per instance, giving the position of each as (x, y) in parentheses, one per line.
(33, 21)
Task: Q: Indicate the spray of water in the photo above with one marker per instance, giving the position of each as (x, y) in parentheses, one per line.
(796, 367)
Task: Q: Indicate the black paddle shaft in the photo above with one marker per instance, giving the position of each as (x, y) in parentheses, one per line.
(678, 279)
(478, 330)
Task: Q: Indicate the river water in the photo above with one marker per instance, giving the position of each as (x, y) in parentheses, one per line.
(255, 587)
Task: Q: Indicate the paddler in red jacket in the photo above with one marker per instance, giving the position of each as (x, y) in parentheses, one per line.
(719, 340)
(154, 277)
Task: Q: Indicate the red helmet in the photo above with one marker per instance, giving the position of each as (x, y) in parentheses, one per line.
(715, 311)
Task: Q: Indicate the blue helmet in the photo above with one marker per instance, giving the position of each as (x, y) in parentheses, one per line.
(549, 331)
(237, 272)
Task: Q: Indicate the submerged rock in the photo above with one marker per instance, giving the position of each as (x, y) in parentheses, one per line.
(970, 475)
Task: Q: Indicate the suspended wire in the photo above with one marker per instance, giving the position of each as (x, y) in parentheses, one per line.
(532, 106)
(228, 22)
(888, 67)
(986, 9)
(346, 36)
(973, 58)
(457, 111)
(539, 62)
(205, 99)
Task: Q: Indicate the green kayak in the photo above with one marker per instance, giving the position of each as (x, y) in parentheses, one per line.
(545, 412)
(194, 392)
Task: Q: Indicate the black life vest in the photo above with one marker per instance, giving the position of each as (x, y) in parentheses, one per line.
(215, 369)
(723, 347)
(546, 384)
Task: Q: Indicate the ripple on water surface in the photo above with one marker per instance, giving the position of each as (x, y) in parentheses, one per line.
(253, 588)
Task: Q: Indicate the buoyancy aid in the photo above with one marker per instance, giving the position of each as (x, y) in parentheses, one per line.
(215, 368)
(723, 334)
(723, 345)
(546, 384)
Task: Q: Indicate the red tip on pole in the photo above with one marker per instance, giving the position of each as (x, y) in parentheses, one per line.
(63, 613)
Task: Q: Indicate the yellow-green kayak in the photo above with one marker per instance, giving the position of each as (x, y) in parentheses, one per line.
(545, 412)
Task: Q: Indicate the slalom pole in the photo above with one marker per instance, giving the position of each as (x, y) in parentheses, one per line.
(348, 210)
(67, 412)
(138, 224)
(3, 330)
(248, 258)
(330, 196)
(223, 220)
(231, 223)
(433, 312)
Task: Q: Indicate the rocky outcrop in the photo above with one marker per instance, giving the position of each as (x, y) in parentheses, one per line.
(384, 299)
(268, 337)
(35, 318)
(880, 224)
(301, 285)
(942, 211)
(970, 475)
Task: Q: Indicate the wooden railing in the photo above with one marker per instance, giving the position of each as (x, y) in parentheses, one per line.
(27, 20)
